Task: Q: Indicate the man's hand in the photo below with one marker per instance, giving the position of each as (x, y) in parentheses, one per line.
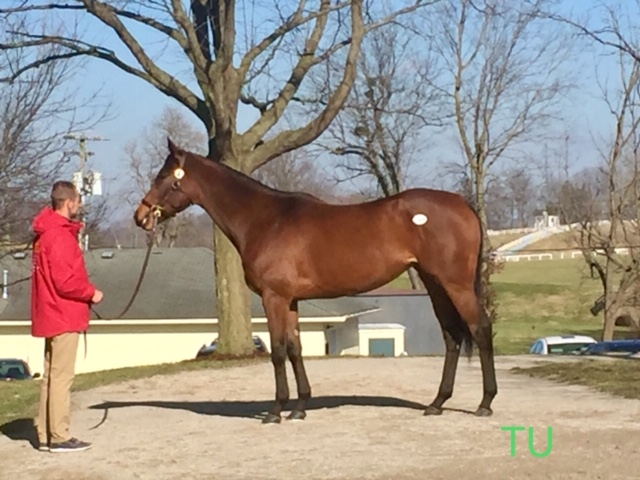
(97, 297)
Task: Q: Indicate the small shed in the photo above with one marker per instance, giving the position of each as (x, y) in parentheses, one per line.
(382, 339)
(411, 309)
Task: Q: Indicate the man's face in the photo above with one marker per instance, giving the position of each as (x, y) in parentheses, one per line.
(73, 206)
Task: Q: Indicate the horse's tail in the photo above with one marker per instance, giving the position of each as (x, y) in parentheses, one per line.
(467, 340)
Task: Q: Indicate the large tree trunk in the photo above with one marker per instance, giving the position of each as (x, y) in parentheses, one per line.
(612, 305)
(233, 299)
(609, 321)
(481, 206)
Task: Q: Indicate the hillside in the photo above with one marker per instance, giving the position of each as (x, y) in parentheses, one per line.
(627, 235)
(504, 238)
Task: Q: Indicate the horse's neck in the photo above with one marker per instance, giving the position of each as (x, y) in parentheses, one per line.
(232, 200)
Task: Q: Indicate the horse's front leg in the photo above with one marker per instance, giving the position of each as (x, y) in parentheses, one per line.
(294, 351)
(282, 317)
(276, 309)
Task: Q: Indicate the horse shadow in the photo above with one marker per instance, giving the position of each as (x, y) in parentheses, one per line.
(21, 429)
(258, 409)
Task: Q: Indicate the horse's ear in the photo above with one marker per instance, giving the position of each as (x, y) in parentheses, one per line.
(176, 152)
(172, 146)
(181, 157)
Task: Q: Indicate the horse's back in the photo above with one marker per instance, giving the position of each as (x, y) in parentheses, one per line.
(407, 208)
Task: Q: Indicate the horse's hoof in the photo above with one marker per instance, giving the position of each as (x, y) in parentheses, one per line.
(271, 418)
(483, 412)
(431, 410)
(297, 415)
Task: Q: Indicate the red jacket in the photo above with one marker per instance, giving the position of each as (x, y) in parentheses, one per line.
(61, 292)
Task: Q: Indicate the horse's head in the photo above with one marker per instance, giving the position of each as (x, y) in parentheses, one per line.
(169, 192)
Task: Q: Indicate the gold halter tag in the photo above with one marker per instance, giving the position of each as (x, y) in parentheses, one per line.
(178, 173)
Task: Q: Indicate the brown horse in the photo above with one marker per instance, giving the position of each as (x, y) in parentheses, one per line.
(294, 246)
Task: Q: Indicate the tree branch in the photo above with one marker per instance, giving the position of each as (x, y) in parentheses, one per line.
(272, 114)
(161, 80)
(296, 20)
(292, 139)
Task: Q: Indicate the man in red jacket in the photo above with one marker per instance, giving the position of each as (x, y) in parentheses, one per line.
(61, 294)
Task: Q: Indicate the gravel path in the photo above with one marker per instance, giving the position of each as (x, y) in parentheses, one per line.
(364, 423)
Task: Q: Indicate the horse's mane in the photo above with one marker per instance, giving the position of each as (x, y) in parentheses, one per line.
(252, 183)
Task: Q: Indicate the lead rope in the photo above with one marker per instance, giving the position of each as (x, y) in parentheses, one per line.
(156, 211)
(133, 296)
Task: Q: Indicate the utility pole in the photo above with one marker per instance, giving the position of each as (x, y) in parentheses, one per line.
(566, 157)
(88, 183)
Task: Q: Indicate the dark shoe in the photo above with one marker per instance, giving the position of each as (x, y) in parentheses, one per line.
(71, 445)
(43, 447)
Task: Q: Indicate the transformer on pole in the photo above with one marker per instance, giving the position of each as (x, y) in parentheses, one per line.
(88, 183)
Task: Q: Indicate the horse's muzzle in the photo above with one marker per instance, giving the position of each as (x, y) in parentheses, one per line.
(144, 218)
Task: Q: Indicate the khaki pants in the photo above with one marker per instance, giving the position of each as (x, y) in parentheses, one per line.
(54, 416)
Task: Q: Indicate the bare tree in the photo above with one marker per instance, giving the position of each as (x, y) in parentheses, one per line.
(579, 201)
(610, 236)
(380, 133)
(503, 60)
(36, 112)
(204, 35)
(613, 222)
(296, 171)
(518, 199)
(612, 30)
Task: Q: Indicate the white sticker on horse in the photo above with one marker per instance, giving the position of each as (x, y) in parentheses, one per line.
(178, 173)
(419, 219)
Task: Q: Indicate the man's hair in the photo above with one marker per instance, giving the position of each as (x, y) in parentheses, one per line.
(62, 190)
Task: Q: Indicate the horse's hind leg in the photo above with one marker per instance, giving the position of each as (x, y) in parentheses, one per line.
(468, 305)
(450, 322)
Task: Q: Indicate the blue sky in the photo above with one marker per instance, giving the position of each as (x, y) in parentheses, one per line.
(136, 105)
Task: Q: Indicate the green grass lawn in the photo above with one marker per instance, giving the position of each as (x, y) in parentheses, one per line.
(541, 298)
(617, 377)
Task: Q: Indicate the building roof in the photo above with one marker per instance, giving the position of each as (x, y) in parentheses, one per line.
(387, 291)
(179, 283)
(381, 326)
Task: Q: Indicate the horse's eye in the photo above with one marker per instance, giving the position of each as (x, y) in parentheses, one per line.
(175, 185)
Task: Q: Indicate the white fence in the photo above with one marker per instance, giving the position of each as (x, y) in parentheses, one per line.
(517, 257)
(559, 228)
(509, 231)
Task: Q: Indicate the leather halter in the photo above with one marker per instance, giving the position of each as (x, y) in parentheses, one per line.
(156, 209)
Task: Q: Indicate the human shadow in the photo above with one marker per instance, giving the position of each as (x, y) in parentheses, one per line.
(21, 429)
(259, 408)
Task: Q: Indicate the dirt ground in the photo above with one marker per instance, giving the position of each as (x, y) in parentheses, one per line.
(364, 423)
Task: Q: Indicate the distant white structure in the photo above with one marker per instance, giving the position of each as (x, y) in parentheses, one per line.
(545, 220)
